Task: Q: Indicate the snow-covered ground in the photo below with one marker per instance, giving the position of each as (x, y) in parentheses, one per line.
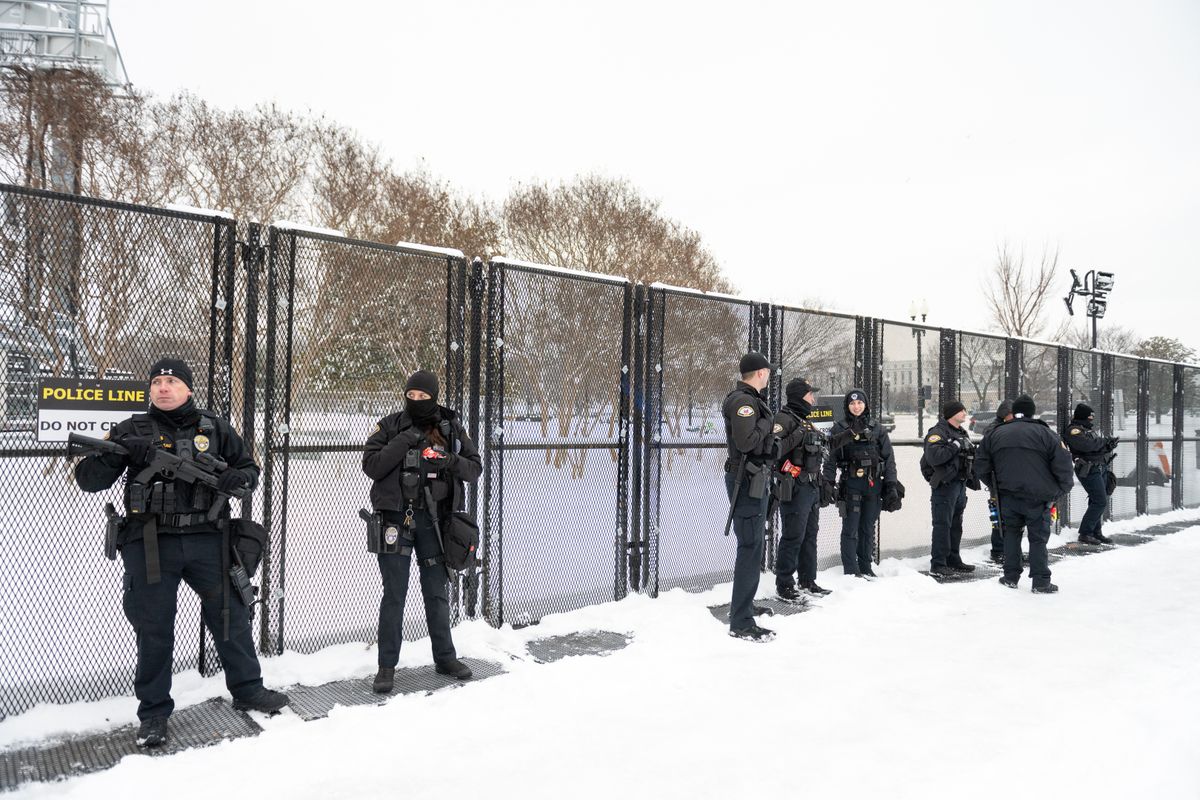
(899, 687)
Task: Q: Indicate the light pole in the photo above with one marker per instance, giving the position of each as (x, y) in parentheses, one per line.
(1095, 285)
(919, 333)
(832, 373)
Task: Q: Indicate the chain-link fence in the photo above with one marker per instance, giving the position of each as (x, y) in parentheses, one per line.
(91, 290)
(596, 404)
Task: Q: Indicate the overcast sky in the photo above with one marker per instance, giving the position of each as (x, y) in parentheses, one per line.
(867, 153)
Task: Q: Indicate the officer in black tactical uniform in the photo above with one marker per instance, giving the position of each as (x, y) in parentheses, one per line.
(166, 537)
(948, 465)
(752, 445)
(1003, 415)
(414, 456)
(861, 449)
(1028, 466)
(1092, 454)
(797, 487)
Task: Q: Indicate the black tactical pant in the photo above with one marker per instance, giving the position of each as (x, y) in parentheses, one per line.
(798, 544)
(1017, 513)
(194, 558)
(394, 569)
(997, 531)
(858, 526)
(1093, 518)
(947, 503)
(749, 526)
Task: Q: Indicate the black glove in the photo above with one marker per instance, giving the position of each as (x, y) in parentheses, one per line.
(897, 486)
(828, 493)
(973, 484)
(407, 439)
(1112, 442)
(139, 448)
(840, 438)
(232, 480)
(891, 500)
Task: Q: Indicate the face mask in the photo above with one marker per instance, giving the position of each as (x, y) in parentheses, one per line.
(421, 411)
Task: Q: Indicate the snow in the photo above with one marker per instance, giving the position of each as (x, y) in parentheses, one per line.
(563, 271)
(199, 212)
(299, 227)
(424, 248)
(899, 687)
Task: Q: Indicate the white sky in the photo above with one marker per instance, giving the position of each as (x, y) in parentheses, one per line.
(866, 153)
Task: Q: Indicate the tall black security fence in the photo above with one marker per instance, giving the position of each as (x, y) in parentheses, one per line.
(92, 290)
(693, 343)
(346, 322)
(556, 426)
(596, 404)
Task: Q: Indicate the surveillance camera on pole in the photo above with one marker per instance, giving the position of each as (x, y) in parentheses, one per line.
(1095, 285)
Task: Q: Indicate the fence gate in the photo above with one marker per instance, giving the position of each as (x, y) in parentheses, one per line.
(63, 262)
(346, 322)
(556, 505)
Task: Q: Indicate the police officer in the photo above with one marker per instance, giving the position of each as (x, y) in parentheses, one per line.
(1028, 466)
(1091, 453)
(798, 480)
(751, 445)
(948, 464)
(1003, 415)
(861, 449)
(166, 537)
(415, 457)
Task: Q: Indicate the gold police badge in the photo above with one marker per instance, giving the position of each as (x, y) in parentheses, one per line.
(201, 443)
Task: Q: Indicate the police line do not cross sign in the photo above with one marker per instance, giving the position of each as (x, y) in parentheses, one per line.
(92, 408)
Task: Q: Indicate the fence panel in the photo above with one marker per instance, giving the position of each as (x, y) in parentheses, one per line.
(911, 360)
(694, 343)
(1123, 400)
(82, 288)
(1188, 465)
(559, 429)
(1160, 428)
(348, 321)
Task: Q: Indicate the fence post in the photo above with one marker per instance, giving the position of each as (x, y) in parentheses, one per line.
(1143, 435)
(1064, 416)
(492, 573)
(1106, 407)
(622, 547)
(948, 378)
(636, 385)
(1177, 432)
(1013, 355)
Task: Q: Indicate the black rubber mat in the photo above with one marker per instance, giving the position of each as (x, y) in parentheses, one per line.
(1077, 549)
(982, 572)
(583, 643)
(1130, 539)
(781, 608)
(315, 702)
(1165, 528)
(200, 725)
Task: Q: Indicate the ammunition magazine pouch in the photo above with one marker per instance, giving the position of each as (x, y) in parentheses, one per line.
(783, 488)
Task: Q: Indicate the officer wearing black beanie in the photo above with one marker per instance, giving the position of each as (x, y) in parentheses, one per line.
(167, 537)
(416, 456)
(1093, 454)
(1028, 466)
(948, 464)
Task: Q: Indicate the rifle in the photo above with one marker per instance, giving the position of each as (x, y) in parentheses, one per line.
(437, 529)
(203, 468)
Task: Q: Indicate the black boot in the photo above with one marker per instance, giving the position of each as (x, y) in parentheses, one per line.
(264, 700)
(812, 588)
(384, 680)
(1048, 588)
(1101, 538)
(788, 594)
(870, 573)
(942, 569)
(1011, 583)
(959, 566)
(752, 634)
(454, 668)
(997, 557)
(1088, 539)
(153, 732)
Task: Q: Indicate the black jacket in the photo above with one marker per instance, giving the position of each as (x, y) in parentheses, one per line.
(748, 425)
(949, 455)
(800, 442)
(389, 443)
(1085, 443)
(1024, 457)
(209, 434)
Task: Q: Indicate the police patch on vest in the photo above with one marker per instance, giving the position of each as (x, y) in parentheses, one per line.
(777, 429)
(934, 438)
(201, 442)
(1074, 430)
(391, 534)
(746, 411)
(378, 428)
(859, 473)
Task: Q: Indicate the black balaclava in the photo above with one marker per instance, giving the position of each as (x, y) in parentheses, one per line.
(423, 413)
(852, 422)
(1083, 415)
(796, 389)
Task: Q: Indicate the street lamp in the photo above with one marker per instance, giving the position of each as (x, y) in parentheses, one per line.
(832, 373)
(918, 333)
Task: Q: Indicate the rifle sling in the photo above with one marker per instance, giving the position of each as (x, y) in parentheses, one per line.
(150, 537)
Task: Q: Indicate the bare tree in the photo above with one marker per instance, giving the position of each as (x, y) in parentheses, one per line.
(1018, 293)
(1111, 338)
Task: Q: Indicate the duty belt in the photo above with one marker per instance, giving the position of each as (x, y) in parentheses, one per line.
(181, 520)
